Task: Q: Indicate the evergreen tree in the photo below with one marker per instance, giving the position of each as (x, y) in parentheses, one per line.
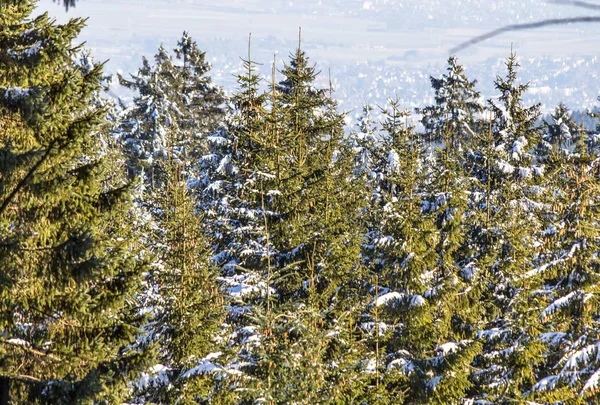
(187, 303)
(151, 120)
(70, 267)
(200, 101)
(233, 192)
(452, 293)
(177, 107)
(511, 181)
(295, 342)
(567, 283)
(319, 237)
(402, 240)
(561, 134)
(228, 185)
(456, 107)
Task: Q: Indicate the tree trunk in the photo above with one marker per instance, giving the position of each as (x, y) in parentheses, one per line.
(4, 388)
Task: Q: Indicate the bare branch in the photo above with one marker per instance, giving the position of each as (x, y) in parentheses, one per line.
(576, 3)
(30, 350)
(27, 178)
(25, 378)
(522, 27)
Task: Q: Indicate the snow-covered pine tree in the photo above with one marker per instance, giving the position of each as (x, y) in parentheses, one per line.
(201, 103)
(560, 136)
(592, 139)
(227, 188)
(370, 162)
(175, 111)
(186, 302)
(70, 267)
(234, 190)
(457, 105)
(456, 310)
(152, 120)
(401, 250)
(511, 206)
(567, 282)
(300, 172)
(176, 108)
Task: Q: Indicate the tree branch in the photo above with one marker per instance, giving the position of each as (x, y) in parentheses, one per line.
(30, 350)
(24, 378)
(577, 3)
(26, 179)
(521, 27)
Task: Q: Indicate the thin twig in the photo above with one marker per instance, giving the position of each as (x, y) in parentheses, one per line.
(30, 350)
(27, 177)
(521, 27)
(576, 3)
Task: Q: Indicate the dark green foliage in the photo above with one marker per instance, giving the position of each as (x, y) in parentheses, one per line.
(269, 257)
(186, 301)
(456, 107)
(70, 267)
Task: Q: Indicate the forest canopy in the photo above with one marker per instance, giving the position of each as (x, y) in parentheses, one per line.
(196, 247)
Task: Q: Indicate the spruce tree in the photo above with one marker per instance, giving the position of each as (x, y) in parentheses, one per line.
(567, 283)
(186, 301)
(176, 108)
(200, 101)
(152, 120)
(560, 136)
(456, 107)
(232, 193)
(403, 240)
(70, 267)
(228, 184)
(511, 180)
(297, 336)
(451, 292)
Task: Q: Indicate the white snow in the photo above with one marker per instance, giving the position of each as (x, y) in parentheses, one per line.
(18, 342)
(241, 290)
(393, 162)
(16, 92)
(592, 383)
(417, 301)
(449, 347)
(385, 298)
(558, 304)
(519, 147)
(553, 338)
(204, 367)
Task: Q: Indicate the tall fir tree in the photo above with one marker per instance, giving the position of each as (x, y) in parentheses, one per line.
(456, 108)
(186, 302)
(232, 193)
(567, 282)
(451, 292)
(512, 187)
(401, 249)
(176, 108)
(296, 177)
(70, 266)
(561, 135)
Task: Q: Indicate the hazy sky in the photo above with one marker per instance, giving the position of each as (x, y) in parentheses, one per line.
(404, 35)
(336, 29)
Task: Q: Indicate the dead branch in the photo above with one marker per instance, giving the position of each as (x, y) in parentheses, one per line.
(522, 27)
(576, 3)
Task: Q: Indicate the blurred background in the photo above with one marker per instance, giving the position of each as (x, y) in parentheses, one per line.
(374, 49)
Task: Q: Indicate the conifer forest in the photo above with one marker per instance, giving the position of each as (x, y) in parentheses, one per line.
(197, 246)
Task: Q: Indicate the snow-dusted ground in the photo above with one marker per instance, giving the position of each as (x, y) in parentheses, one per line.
(374, 48)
